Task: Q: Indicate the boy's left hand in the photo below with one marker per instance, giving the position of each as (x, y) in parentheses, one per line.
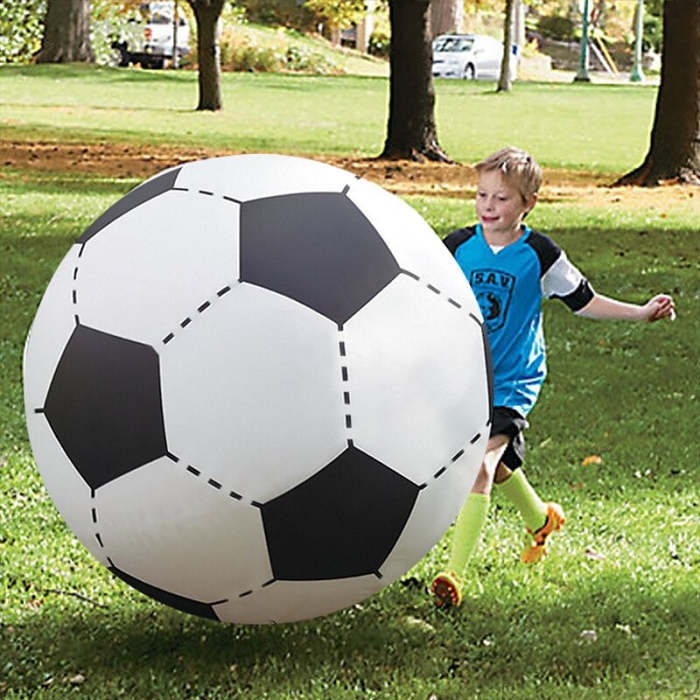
(658, 307)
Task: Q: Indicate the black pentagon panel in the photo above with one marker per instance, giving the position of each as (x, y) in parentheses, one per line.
(148, 190)
(104, 405)
(317, 248)
(342, 522)
(179, 602)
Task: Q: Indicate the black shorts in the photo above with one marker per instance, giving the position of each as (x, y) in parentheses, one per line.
(507, 421)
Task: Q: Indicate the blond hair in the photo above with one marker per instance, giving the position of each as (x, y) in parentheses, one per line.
(518, 167)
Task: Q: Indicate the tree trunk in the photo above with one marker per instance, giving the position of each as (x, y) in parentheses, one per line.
(206, 14)
(504, 82)
(66, 32)
(446, 17)
(411, 131)
(674, 150)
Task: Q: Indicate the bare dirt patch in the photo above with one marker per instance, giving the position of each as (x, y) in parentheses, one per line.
(399, 177)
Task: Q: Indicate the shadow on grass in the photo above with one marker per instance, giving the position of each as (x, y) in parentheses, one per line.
(83, 71)
(397, 634)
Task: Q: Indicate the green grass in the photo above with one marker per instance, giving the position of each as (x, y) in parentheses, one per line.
(625, 392)
(584, 127)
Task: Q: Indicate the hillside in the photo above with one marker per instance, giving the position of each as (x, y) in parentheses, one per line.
(253, 47)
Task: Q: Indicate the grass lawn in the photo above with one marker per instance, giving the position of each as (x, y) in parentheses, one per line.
(615, 609)
(583, 127)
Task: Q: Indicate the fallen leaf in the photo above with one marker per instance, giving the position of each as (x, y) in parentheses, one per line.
(77, 679)
(591, 459)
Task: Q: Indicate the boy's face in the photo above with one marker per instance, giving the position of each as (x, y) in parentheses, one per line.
(499, 205)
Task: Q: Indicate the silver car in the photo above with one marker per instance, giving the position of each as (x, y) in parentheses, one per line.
(468, 56)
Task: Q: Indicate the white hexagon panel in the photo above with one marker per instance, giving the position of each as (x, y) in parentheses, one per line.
(258, 388)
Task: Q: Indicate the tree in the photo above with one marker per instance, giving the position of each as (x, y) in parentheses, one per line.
(446, 16)
(504, 82)
(206, 14)
(674, 150)
(411, 131)
(66, 32)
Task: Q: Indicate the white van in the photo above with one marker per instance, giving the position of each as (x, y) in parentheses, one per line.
(153, 46)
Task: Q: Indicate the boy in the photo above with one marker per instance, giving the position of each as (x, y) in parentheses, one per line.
(510, 268)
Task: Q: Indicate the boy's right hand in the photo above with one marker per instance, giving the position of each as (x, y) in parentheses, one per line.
(658, 307)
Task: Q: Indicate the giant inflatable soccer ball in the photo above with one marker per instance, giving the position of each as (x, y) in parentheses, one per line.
(257, 388)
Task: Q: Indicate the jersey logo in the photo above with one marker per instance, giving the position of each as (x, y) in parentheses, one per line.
(493, 290)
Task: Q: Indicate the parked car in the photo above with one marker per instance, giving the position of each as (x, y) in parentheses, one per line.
(152, 46)
(469, 56)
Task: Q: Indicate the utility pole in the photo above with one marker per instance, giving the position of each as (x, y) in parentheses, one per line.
(582, 74)
(636, 76)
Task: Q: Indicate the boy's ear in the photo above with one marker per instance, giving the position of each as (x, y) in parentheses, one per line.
(530, 204)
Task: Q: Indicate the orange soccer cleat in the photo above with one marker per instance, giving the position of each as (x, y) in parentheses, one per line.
(447, 589)
(536, 551)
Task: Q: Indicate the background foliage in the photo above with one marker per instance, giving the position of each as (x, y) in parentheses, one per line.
(21, 28)
(21, 25)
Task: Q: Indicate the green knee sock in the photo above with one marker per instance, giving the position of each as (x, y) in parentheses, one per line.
(517, 488)
(470, 522)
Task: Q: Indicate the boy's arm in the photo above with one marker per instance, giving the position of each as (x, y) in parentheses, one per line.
(604, 308)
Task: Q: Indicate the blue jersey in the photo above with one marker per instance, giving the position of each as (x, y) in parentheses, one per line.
(509, 286)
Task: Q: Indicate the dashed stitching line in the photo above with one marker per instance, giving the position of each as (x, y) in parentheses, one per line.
(201, 308)
(74, 291)
(433, 289)
(344, 376)
(95, 518)
(454, 458)
(213, 482)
